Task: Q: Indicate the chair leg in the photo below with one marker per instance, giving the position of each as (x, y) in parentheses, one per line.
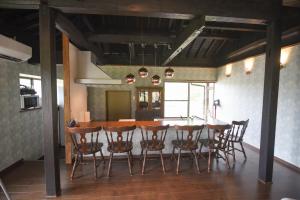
(227, 160)
(75, 164)
(109, 164)
(144, 162)
(131, 157)
(178, 161)
(173, 153)
(142, 153)
(209, 160)
(162, 162)
(241, 143)
(196, 160)
(233, 151)
(95, 165)
(200, 152)
(129, 163)
(102, 156)
(4, 190)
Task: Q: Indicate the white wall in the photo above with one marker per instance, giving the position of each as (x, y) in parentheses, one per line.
(241, 97)
(78, 92)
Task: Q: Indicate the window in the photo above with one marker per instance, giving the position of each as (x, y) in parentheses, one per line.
(33, 82)
(183, 99)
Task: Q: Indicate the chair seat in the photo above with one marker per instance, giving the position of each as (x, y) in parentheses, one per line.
(185, 144)
(206, 141)
(120, 147)
(151, 145)
(91, 148)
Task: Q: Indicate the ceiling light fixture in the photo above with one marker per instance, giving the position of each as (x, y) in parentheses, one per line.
(143, 72)
(130, 79)
(155, 79)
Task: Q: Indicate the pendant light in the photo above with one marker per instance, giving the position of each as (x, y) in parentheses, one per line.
(130, 79)
(169, 73)
(143, 72)
(155, 79)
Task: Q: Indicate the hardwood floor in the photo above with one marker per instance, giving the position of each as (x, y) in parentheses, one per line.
(27, 182)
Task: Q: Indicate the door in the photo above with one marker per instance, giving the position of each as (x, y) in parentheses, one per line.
(118, 105)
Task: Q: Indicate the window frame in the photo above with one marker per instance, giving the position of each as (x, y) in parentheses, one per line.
(206, 99)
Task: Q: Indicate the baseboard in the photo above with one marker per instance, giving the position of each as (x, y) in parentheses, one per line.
(278, 160)
(11, 167)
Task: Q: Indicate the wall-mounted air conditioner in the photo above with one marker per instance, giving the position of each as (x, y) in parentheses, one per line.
(13, 50)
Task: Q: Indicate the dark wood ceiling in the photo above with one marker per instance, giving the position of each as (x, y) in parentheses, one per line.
(120, 38)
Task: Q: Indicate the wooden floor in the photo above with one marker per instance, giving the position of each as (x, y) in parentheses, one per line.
(26, 182)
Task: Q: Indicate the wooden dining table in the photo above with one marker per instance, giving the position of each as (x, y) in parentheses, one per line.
(157, 122)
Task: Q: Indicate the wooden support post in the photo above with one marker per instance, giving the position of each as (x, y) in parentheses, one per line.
(271, 86)
(67, 108)
(48, 72)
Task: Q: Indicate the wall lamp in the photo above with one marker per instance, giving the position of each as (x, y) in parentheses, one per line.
(249, 62)
(228, 70)
(284, 55)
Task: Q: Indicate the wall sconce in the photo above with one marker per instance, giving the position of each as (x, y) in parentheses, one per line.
(249, 62)
(284, 55)
(228, 70)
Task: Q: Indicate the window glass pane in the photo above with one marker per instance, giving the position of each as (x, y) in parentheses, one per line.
(197, 100)
(37, 86)
(26, 82)
(176, 91)
(156, 100)
(176, 108)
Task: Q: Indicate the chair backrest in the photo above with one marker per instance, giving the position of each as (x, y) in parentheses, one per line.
(83, 138)
(189, 134)
(117, 136)
(154, 136)
(238, 130)
(223, 133)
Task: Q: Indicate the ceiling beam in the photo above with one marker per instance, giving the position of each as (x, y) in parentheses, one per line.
(262, 42)
(178, 9)
(254, 48)
(235, 26)
(188, 35)
(77, 37)
(130, 38)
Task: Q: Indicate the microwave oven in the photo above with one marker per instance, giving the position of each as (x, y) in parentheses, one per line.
(29, 101)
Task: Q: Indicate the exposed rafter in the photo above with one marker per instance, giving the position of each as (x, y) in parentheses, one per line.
(152, 8)
(188, 35)
(130, 38)
(77, 37)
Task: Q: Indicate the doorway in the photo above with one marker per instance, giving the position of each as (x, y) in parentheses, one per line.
(118, 105)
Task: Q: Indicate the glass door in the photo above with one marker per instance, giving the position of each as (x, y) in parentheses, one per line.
(197, 100)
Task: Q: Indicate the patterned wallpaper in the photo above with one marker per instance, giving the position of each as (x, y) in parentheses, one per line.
(241, 97)
(21, 132)
(96, 93)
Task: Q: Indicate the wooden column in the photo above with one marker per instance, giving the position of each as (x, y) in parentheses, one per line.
(270, 98)
(48, 72)
(67, 107)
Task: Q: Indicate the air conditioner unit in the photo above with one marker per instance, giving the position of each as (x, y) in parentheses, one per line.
(13, 50)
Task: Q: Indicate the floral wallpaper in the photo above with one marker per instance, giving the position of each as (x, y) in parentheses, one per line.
(241, 97)
(21, 132)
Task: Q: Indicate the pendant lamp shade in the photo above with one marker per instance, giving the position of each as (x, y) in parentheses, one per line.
(169, 73)
(130, 79)
(156, 80)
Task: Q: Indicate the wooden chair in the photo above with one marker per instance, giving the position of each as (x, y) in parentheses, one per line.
(218, 136)
(236, 136)
(85, 141)
(120, 141)
(187, 140)
(153, 139)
